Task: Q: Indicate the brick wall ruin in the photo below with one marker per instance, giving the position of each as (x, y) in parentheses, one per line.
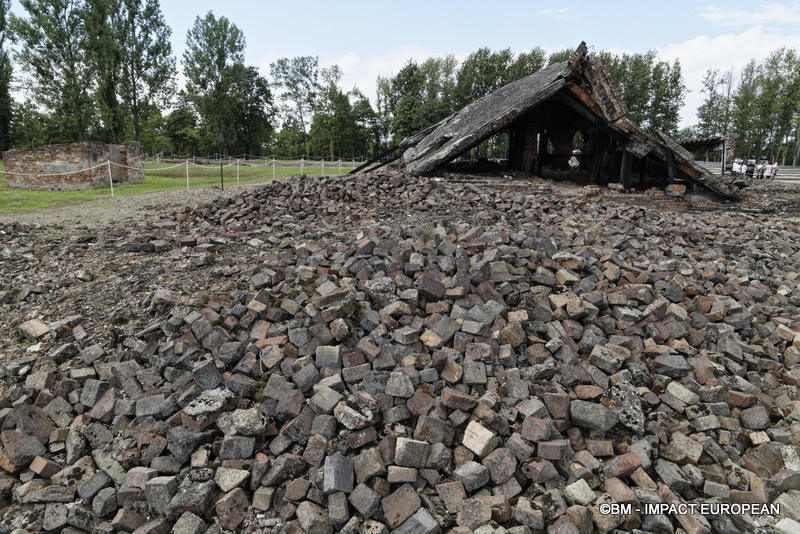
(39, 168)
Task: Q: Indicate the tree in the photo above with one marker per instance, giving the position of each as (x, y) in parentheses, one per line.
(105, 56)
(714, 114)
(406, 120)
(250, 105)
(28, 125)
(6, 102)
(481, 73)
(367, 122)
(334, 130)
(290, 140)
(213, 47)
(667, 92)
(180, 127)
(148, 66)
(299, 79)
(525, 64)
(54, 51)
(557, 57)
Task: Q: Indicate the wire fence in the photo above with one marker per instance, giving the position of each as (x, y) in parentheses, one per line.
(255, 158)
(207, 169)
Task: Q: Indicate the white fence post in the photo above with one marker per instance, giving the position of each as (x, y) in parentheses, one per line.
(301, 164)
(354, 162)
(237, 173)
(187, 175)
(323, 166)
(110, 181)
(340, 165)
(273, 167)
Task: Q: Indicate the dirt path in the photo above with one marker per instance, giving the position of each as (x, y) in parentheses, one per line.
(121, 210)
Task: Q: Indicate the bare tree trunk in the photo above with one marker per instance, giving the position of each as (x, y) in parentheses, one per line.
(796, 147)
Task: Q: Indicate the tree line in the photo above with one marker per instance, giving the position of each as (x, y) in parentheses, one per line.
(759, 105)
(104, 70)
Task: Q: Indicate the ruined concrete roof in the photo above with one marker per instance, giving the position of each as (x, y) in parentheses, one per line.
(585, 85)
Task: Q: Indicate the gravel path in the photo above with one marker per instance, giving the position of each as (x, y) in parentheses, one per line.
(126, 210)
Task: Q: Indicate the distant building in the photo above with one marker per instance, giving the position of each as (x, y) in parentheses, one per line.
(73, 166)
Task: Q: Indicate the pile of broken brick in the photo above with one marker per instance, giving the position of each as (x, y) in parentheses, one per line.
(431, 378)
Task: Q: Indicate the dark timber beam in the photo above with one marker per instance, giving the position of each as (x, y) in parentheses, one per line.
(670, 167)
(625, 171)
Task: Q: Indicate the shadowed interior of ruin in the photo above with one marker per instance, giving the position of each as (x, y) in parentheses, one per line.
(559, 139)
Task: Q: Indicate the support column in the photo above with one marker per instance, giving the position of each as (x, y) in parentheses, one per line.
(670, 167)
(625, 171)
(596, 162)
(541, 151)
(642, 171)
(612, 164)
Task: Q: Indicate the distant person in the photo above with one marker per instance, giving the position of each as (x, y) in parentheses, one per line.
(774, 170)
(768, 171)
(737, 167)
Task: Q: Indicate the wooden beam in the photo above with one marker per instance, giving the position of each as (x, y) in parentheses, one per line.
(625, 171)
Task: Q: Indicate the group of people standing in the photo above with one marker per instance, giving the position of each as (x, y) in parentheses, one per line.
(765, 171)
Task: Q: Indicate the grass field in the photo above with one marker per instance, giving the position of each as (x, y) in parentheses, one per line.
(14, 200)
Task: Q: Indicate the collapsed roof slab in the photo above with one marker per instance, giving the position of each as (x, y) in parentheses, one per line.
(586, 86)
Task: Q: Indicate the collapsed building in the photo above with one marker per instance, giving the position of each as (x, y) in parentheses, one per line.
(542, 113)
(722, 147)
(72, 166)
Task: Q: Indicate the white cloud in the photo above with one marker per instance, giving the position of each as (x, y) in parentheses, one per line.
(559, 13)
(770, 13)
(723, 52)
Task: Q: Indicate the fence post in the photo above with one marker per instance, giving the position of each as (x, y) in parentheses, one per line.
(354, 162)
(187, 175)
(340, 165)
(323, 166)
(301, 165)
(273, 167)
(110, 181)
(237, 173)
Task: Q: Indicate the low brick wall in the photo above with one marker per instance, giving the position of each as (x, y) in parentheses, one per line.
(42, 167)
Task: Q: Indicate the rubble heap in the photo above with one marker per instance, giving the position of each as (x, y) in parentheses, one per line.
(511, 368)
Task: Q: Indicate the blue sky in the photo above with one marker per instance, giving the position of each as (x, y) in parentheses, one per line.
(367, 39)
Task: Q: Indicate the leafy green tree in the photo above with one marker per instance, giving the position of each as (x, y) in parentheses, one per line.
(6, 102)
(289, 141)
(181, 128)
(299, 78)
(54, 51)
(406, 117)
(367, 122)
(105, 56)
(28, 125)
(438, 77)
(557, 57)
(715, 113)
(744, 109)
(525, 64)
(481, 72)
(667, 92)
(213, 47)
(148, 66)
(333, 127)
(250, 106)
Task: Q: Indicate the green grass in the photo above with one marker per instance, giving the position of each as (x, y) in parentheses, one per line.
(15, 200)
